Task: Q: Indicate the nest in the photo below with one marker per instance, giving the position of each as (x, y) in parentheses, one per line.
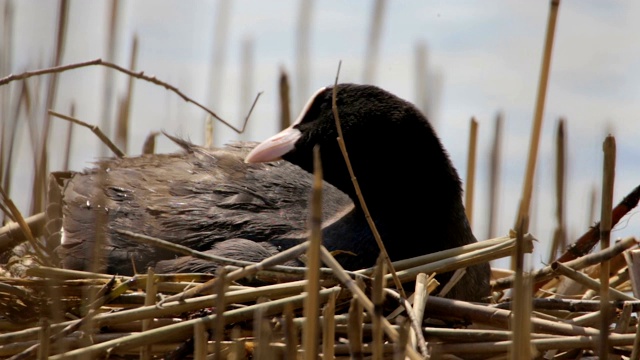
(330, 312)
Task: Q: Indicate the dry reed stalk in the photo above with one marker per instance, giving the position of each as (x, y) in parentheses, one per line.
(632, 258)
(7, 126)
(339, 319)
(624, 320)
(124, 113)
(494, 176)
(184, 329)
(41, 159)
(400, 346)
(263, 334)
(208, 132)
(621, 276)
(199, 341)
(355, 329)
(237, 347)
(471, 169)
(457, 275)
(363, 204)
(461, 261)
(303, 41)
(420, 58)
(12, 233)
(220, 304)
(377, 297)
(108, 79)
(149, 145)
(635, 353)
(588, 319)
(416, 325)
(564, 343)
(73, 341)
(521, 319)
(328, 328)
(591, 209)
(560, 233)
(475, 335)
(586, 242)
(69, 139)
(373, 42)
(527, 188)
(218, 61)
(366, 303)
(546, 272)
(45, 334)
(12, 140)
(19, 219)
(419, 301)
(91, 299)
(585, 280)
(149, 300)
(277, 291)
(246, 74)
(455, 309)
(312, 303)
(608, 176)
(290, 331)
(501, 242)
(285, 99)
(243, 268)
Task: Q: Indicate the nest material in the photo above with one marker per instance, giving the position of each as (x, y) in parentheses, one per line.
(69, 313)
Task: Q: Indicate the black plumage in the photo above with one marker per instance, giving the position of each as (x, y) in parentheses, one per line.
(411, 189)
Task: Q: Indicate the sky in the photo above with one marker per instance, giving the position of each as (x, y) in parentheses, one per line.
(483, 58)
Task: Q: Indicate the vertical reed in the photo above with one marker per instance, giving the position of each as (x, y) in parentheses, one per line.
(608, 176)
(527, 189)
(471, 169)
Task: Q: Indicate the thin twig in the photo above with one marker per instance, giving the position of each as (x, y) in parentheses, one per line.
(138, 75)
(363, 204)
(95, 129)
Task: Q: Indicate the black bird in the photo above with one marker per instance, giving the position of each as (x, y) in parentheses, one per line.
(411, 189)
(210, 200)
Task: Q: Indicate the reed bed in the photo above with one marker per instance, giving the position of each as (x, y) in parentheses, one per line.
(584, 303)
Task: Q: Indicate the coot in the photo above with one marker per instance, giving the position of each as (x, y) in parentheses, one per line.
(411, 189)
(211, 200)
(206, 199)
